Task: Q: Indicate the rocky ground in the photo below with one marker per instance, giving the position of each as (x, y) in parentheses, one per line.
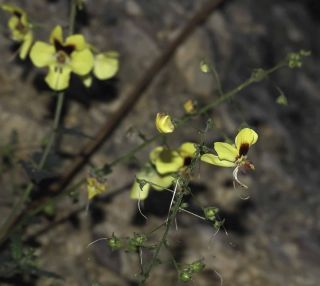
(274, 237)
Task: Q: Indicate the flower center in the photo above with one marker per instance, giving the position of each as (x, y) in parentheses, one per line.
(243, 150)
(60, 47)
(166, 156)
(187, 161)
(61, 57)
(21, 28)
(17, 14)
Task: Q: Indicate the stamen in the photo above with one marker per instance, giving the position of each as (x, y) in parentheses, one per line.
(141, 259)
(139, 208)
(235, 177)
(174, 193)
(97, 240)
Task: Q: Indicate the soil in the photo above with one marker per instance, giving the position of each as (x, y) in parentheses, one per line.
(272, 238)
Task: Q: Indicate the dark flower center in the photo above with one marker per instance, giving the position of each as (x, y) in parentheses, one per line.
(61, 57)
(67, 49)
(21, 28)
(17, 14)
(243, 150)
(187, 161)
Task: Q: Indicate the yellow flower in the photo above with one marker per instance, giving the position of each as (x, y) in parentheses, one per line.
(95, 187)
(187, 151)
(189, 106)
(166, 160)
(62, 58)
(106, 65)
(233, 155)
(20, 27)
(152, 180)
(164, 123)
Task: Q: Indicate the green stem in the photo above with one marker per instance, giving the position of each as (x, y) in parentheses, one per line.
(53, 134)
(72, 17)
(176, 266)
(240, 87)
(162, 243)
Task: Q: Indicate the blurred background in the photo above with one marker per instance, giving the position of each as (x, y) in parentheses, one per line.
(273, 238)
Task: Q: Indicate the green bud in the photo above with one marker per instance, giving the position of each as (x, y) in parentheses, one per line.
(114, 242)
(210, 213)
(136, 241)
(139, 239)
(197, 266)
(282, 100)
(294, 60)
(204, 67)
(218, 223)
(185, 275)
(258, 75)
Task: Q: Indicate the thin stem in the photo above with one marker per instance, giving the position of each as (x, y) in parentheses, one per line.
(53, 134)
(240, 87)
(191, 213)
(172, 257)
(72, 17)
(175, 210)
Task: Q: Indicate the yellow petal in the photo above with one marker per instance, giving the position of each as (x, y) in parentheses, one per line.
(160, 183)
(214, 160)
(106, 65)
(58, 78)
(245, 138)
(165, 160)
(94, 187)
(189, 106)
(13, 22)
(136, 192)
(153, 180)
(226, 151)
(25, 47)
(164, 123)
(77, 41)
(42, 54)
(87, 80)
(56, 34)
(12, 8)
(187, 149)
(81, 62)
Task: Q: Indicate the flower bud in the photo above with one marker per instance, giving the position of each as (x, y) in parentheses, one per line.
(185, 275)
(139, 239)
(197, 266)
(210, 213)
(164, 123)
(189, 106)
(114, 242)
